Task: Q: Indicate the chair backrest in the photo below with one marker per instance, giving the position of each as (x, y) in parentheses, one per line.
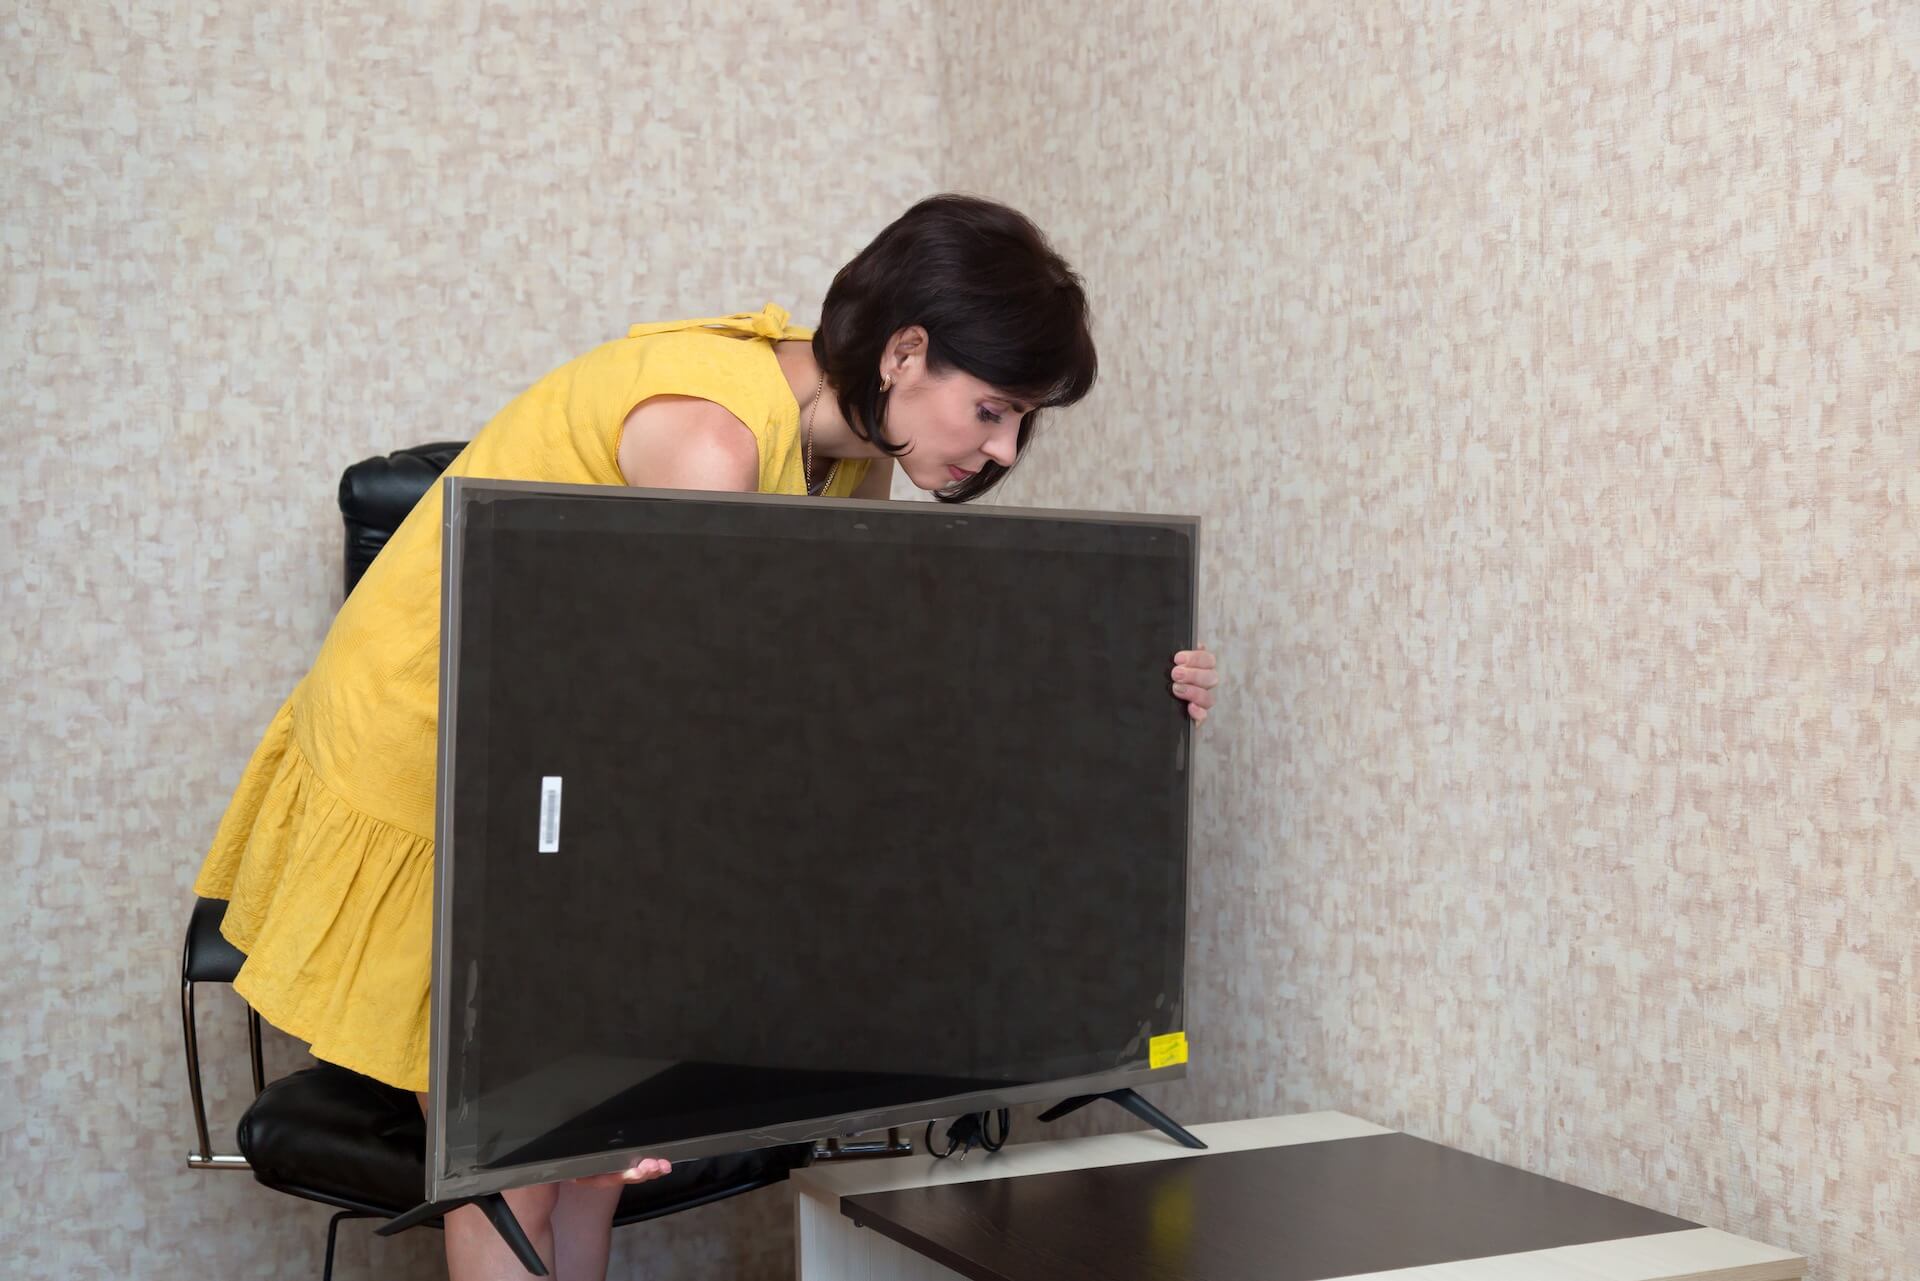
(377, 493)
(375, 496)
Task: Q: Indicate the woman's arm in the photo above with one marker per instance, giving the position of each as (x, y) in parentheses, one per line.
(682, 442)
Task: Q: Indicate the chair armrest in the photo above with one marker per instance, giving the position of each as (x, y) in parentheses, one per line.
(209, 958)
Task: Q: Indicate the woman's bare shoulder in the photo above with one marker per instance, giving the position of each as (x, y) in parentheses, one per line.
(683, 442)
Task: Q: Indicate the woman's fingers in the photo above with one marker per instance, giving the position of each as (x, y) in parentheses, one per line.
(1196, 696)
(1196, 667)
(642, 1171)
(1195, 677)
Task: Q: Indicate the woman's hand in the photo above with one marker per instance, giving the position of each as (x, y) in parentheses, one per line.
(644, 1170)
(1195, 677)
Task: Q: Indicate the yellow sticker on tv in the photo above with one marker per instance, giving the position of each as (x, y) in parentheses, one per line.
(1165, 1051)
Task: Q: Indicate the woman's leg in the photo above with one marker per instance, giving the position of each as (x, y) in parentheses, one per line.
(583, 1231)
(570, 1225)
(475, 1251)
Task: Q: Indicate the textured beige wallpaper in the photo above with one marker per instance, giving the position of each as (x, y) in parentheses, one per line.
(243, 246)
(1546, 375)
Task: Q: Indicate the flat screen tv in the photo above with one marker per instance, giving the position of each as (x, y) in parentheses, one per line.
(765, 819)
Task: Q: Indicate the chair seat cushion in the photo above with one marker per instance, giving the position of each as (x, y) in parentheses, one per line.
(335, 1136)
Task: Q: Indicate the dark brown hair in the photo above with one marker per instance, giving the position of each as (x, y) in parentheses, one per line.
(995, 299)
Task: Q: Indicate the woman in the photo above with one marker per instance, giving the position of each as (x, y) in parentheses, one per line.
(938, 347)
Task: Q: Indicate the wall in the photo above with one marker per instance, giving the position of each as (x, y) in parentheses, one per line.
(1545, 376)
(244, 246)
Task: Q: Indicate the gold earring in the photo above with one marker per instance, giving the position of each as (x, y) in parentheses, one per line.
(886, 384)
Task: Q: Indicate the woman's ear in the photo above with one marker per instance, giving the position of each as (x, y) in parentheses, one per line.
(905, 355)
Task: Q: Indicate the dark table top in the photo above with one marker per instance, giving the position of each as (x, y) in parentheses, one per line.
(1301, 1212)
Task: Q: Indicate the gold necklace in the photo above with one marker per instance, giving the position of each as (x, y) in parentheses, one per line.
(806, 445)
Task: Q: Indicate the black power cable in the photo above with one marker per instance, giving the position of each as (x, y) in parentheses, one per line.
(970, 1131)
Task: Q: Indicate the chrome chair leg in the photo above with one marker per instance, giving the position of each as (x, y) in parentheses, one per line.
(333, 1231)
(203, 1157)
(205, 1151)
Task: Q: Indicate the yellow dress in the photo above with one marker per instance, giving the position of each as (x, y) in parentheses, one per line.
(326, 851)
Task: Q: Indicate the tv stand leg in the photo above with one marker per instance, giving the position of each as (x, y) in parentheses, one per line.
(1134, 1103)
(498, 1213)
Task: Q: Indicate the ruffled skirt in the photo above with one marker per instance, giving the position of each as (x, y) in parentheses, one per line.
(334, 911)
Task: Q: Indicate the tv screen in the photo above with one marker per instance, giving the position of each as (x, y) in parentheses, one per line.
(764, 819)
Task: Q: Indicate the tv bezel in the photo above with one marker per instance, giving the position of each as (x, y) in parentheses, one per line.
(444, 1184)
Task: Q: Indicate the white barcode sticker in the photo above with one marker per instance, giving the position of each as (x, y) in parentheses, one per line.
(550, 814)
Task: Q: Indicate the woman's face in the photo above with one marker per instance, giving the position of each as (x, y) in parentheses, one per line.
(952, 423)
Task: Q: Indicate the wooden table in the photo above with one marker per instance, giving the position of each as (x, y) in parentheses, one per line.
(1301, 1198)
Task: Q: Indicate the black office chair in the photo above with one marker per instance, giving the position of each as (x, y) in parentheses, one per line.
(345, 1140)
